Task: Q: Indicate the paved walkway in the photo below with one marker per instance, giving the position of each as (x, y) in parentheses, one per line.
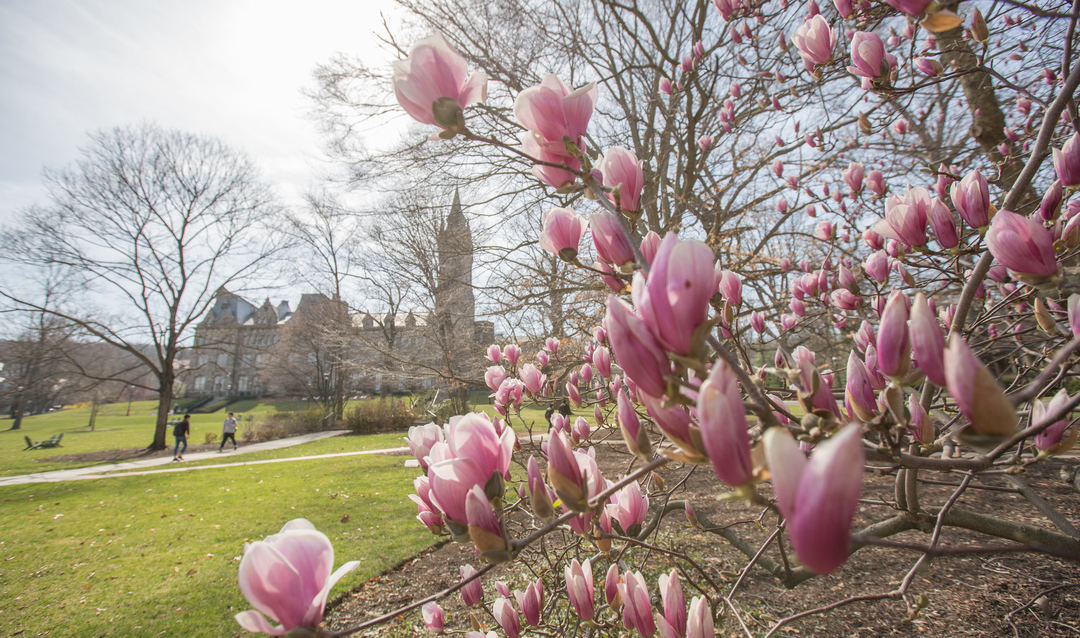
(101, 471)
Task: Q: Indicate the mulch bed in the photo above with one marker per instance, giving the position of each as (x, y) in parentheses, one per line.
(968, 595)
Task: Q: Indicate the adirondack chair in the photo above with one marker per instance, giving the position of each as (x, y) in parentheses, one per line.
(53, 441)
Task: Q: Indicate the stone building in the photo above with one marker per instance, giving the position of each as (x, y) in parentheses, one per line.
(239, 348)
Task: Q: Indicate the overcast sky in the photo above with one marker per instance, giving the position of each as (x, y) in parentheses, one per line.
(230, 68)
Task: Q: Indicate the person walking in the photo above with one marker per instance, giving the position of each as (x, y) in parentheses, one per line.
(181, 431)
(228, 431)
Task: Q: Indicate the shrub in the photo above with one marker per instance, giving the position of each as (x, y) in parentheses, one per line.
(379, 416)
(280, 425)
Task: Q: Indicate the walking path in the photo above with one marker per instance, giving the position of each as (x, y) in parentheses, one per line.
(101, 471)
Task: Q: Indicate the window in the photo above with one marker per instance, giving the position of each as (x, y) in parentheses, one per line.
(223, 360)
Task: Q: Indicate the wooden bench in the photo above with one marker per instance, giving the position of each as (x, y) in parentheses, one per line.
(50, 442)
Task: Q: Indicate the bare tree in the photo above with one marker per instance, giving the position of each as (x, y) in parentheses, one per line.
(328, 241)
(315, 355)
(154, 221)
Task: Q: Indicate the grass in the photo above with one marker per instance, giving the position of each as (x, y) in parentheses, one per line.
(114, 430)
(332, 445)
(158, 555)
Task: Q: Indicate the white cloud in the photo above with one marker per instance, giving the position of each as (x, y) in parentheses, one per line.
(229, 68)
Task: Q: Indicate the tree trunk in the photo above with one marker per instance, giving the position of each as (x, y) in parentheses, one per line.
(988, 122)
(164, 405)
(17, 414)
(93, 414)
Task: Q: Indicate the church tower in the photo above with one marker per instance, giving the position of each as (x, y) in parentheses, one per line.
(455, 304)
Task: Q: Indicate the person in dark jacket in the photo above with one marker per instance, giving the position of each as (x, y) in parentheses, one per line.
(181, 431)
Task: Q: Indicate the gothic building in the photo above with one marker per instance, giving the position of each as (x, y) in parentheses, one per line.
(239, 347)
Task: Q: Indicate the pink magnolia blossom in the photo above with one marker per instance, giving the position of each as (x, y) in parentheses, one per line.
(705, 142)
(494, 377)
(636, 436)
(553, 111)
(612, 244)
(287, 577)
(565, 473)
(824, 231)
(971, 198)
(484, 527)
(630, 507)
(611, 587)
(1023, 245)
(579, 588)
(815, 40)
(431, 84)
(472, 593)
(724, 432)
(910, 7)
(671, 594)
(726, 8)
(927, 342)
(976, 392)
(512, 352)
(876, 181)
(757, 322)
(533, 379)
(893, 347)
(676, 300)
(731, 288)
(649, 245)
(562, 233)
(434, 617)
(868, 56)
(1067, 161)
(476, 436)
(451, 481)
(534, 145)
(859, 391)
(877, 266)
(699, 622)
(614, 283)
(865, 336)
(637, 608)
(542, 358)
(1052, 440)
(602, 360)
(676, 424)
(540, 499)
(1050, 206)
(493, 354)
(531, 601)
(421, 439)
(580, 431)
(906, 219)
(637, 350)
(929, 67)
(622, 168)
(844, 299)
(944, 224)
(507, 617)
(819, 496)
(853, 176)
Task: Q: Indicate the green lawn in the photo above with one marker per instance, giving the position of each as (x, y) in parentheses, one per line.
(332, 445)
(158, 555)
(114, 430)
